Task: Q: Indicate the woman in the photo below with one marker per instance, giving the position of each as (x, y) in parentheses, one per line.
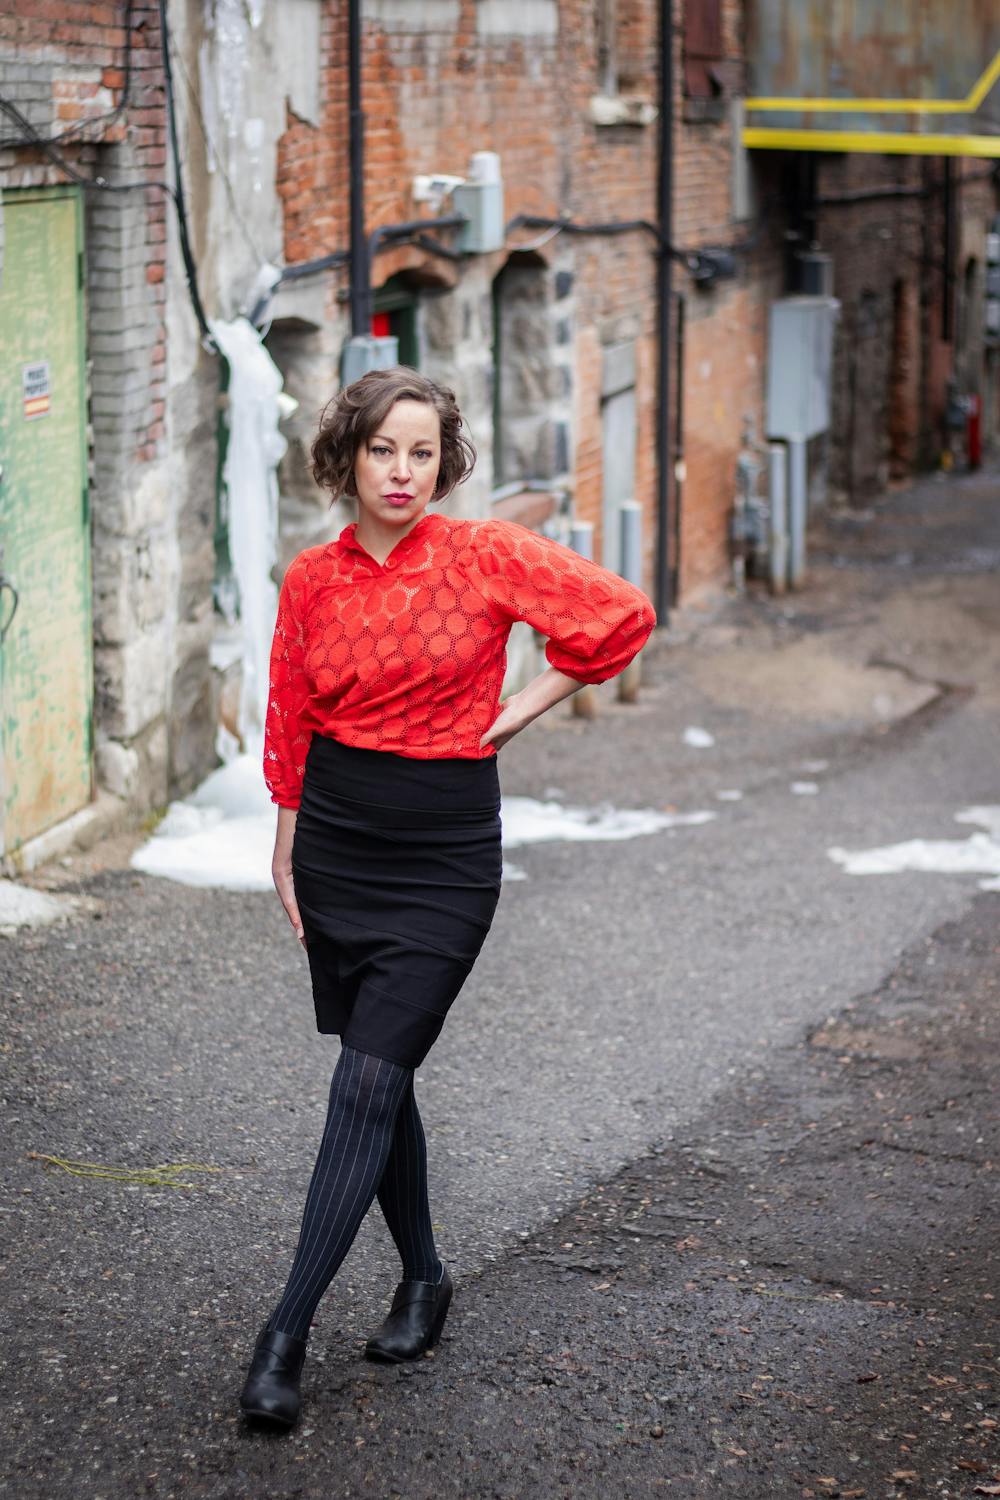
(383, 727)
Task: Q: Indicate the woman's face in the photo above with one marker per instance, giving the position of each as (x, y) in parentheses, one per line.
(396, 471)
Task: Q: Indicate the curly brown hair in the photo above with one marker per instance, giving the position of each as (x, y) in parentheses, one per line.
(356, 412)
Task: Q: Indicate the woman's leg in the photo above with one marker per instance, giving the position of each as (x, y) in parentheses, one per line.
(365, 1096)
(402, 1195)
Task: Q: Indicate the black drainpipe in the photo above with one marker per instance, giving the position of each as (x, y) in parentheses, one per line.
(666, 567)
(361, 286)
(678, 455)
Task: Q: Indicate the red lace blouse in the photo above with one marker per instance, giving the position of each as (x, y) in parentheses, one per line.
(409, 656)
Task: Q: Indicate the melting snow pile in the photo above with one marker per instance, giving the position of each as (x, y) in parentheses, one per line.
(979, 854)
(223, 834)
(526, 821)
(23, 906)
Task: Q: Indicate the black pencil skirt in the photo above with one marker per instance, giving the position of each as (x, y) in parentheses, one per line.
(397, 868)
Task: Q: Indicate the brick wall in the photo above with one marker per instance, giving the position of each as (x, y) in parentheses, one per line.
(436, 92)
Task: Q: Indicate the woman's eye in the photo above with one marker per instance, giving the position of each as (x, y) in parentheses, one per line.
(380, 450)
(424, 453)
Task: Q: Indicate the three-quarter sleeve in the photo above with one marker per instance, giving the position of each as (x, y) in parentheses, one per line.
(595, 621)
(287, 734)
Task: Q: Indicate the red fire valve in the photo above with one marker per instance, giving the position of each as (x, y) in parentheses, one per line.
(974, 432)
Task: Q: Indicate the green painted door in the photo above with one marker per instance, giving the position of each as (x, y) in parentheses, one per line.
(46, 672)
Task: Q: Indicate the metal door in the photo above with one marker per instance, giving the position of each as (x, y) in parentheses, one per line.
(46, 672)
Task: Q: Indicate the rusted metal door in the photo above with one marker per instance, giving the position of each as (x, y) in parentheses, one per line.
(46, 673)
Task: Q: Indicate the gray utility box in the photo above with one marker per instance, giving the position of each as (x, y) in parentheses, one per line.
(482, 204)
(800, 366)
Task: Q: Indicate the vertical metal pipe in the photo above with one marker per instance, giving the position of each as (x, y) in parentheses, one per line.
(361, 291)
(777, 492)
(581, 538)
(630, 520)
(948, 272)
(798, 506)
(664, 598)
(678, 447)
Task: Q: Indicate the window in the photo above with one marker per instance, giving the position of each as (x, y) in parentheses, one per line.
(703, 49)
(607, 52)
(624, 41)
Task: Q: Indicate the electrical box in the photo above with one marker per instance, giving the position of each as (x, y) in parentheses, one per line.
(800, 366)
(367, 352)
(480, 198)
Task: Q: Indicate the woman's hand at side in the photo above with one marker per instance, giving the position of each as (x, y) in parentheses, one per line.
(518, 711)
(281, 868)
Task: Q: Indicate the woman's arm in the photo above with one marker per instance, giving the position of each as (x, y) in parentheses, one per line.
(281, 868)
(287, 726)
(517, 711)
(595, 621)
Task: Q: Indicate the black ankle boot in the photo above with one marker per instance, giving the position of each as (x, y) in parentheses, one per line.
(271, 1392)
(414, 1325)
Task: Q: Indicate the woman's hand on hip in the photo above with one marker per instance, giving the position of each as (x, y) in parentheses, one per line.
(509, 721)
(517, 712)
(281, 869)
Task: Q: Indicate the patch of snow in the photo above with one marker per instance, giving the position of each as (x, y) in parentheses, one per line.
(979, 854)
(223, 834)
(527, 821)
(730, 794)
(23, 906)
(804, 788)
(699, 738)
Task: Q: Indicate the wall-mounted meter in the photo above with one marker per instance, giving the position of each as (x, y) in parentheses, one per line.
(480, 198)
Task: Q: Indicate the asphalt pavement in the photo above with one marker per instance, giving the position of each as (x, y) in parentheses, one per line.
(780, 1076)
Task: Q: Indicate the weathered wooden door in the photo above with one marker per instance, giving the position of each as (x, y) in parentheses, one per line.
(46, 673)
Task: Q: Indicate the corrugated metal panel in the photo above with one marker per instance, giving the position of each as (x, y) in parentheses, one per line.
(917, 75)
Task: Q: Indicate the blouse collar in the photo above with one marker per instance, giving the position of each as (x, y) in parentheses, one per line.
(349, 542)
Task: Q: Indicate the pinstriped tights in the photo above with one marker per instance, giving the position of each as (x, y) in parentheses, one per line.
(373, 1143)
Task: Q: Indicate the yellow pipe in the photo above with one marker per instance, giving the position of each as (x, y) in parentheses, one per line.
(900, 144)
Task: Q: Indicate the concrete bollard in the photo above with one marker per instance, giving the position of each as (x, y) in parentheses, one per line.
(631, 570)
(581, 539)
